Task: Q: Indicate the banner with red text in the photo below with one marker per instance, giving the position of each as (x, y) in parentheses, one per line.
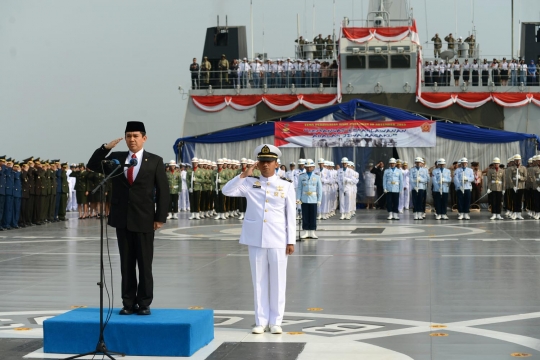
(355, 134)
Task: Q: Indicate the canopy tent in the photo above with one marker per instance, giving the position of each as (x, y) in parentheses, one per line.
(454, 140)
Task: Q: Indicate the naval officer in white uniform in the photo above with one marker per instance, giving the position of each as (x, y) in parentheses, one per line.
(269, 231)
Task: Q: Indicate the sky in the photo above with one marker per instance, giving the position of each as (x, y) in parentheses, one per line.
(73, 72)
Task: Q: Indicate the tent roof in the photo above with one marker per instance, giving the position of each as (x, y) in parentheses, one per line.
(364, 110)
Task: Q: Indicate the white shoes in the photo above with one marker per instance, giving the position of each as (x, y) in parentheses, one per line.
(275, 329)
(493, 217)
(415, 216)
(396, 216)
(390, 216)
(348, 216)
(175, 216)
(342, 216)
(313, 236)
(467, 217)
(445, 217)
(513, 216)
(319, 217)
(200, 216)
(438, 217)
(169, 217)
(499, 217)
(192, 216)
(305, 235)
(218, 217)
(197, 216)
(460, 217)
(519, 217)
(259, 329)
(241, 216)
(401, 211)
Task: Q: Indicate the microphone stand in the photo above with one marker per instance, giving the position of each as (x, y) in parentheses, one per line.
(101, 348)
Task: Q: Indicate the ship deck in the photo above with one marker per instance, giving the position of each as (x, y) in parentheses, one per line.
(366, 289)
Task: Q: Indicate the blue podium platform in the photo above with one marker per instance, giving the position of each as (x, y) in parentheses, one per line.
(167, 332)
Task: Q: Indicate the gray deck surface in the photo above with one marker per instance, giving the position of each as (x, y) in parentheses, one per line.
(378, 287)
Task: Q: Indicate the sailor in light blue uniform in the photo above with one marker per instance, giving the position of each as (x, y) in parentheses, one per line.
(393, 186)
(309, 195)
(463, 179)
(418, 180)
(441, 179)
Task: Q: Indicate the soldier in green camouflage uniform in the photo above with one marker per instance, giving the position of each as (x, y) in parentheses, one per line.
(220, 177)
(194, 179)
(175, 187)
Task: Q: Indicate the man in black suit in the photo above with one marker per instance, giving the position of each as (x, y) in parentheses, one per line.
(378, 170)
(135, 214)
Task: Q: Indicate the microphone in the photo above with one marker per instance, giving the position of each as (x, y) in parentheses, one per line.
(115, 162)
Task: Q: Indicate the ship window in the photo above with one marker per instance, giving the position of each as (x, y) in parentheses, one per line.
(356, 62)
(400, 61)
(221, 39)
(378, 61)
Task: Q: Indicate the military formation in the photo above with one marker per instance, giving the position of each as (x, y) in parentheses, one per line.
(32, 192)
(513, 187)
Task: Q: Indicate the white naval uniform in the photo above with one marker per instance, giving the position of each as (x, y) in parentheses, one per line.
(269, 226)
(369, 183)
(183, 199)
(349, 181)
(404, 196)
(72, 198)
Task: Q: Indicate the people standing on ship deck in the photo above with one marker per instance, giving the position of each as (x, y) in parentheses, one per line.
(474, 68)
(485, 73)
(457, 69)
(503, 72)
(437, 43)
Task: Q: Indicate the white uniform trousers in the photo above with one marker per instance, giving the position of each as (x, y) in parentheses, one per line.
(349, 198)
(183, 199)
(72, 201)
(342, 202)
(404, 199)
(269, 275)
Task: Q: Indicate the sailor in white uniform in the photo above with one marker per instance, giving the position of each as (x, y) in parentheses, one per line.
(72, 198)
(269, 231)
(341, 185)
(404, 196)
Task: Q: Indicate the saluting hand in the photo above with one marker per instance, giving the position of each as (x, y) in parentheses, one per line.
(113, 143)
(249, 170)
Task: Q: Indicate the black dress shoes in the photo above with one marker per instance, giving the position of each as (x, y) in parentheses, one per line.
(144, 310)
(129, 310)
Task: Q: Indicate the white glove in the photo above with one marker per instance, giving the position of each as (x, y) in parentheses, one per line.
(318, 203)
(190, 190)
(385, 191)
(219, 181)
(517, 176)
(175, 187)
(503, 192)
(465, 178)
(416, 189)
(489, 191)
(463, 190)
(538, 189)
(515, 189)
(298, 202)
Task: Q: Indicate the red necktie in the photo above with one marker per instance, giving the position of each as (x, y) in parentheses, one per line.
(130, 171)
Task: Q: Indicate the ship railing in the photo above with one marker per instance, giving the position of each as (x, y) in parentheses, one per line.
(461, 50)
(516, 78)
(233, 79)
(311, 50)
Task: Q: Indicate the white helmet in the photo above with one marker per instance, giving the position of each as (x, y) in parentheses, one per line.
(517, 157)
(172, 162)
(195, 160)
(496, 160)
(530, 160)
(309, 163)
(243, 161)
(441, 161)
(214, 163)
(464, 160)
(344, 160)
(418, 159)
(321, 161)
(301, 161)
(392, 161)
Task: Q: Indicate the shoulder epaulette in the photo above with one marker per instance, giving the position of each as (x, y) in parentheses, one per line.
(282, 178)
(253, 176)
